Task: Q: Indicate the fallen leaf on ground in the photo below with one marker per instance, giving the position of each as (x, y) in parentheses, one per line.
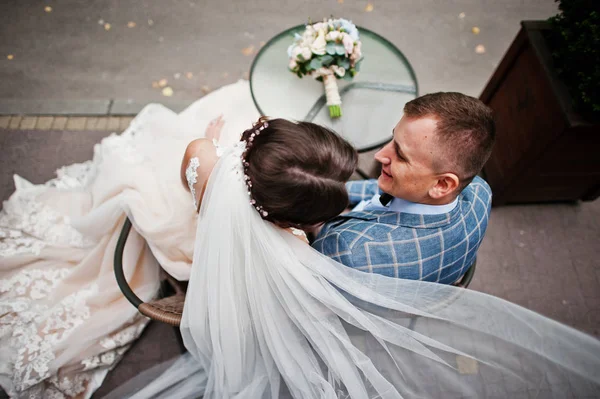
(248, 50)
(150, 22)
(205, 89)
(167, 92)
(107, 26)
(475, 30)
(162, 82)
(461, 15)
(369, 7)
(48, 9)
(177, 75)
(480, 49)
(189, 75)
(10, 56)
(131, 24)
(340, 1)
(155, 85)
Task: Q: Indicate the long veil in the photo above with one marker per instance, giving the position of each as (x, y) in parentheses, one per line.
(267, 316)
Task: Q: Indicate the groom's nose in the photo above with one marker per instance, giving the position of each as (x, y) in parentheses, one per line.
(382, 156)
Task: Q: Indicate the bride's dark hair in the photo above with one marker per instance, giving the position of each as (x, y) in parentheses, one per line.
(298, 171)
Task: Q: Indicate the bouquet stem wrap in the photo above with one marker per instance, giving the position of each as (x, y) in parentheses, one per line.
(332, 94)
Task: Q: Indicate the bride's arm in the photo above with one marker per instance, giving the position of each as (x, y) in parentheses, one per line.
(198, 161)
(212, 134)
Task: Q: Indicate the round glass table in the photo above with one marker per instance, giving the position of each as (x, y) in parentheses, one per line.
(372, 102)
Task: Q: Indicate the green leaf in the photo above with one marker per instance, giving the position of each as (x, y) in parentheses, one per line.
(330, 48)
(315, 63)
(339, 49)
(326, 60)
(301, 58)
(357, 65)
(347, 76)
(344, 63)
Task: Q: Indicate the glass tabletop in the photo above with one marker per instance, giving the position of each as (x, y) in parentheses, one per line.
(372, 102)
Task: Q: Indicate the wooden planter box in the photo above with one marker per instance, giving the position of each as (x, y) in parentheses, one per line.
(544, 151)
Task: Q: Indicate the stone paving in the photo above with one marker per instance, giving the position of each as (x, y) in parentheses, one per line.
(69, 123)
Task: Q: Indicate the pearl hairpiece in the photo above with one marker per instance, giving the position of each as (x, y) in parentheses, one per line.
(245, 163)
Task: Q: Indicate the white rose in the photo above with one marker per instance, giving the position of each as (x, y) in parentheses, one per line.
(333, 36)
(306, 53)
(318, 46)
(308, 37)
(293, 64)
(296, 51)
(319, 26)
(348, 43)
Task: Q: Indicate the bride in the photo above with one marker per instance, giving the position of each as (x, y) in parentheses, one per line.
(265, 315)
(63, 320)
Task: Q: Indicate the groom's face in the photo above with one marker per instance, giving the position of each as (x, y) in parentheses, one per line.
(408, 160)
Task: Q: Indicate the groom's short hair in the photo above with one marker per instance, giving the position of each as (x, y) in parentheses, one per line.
(465, 131)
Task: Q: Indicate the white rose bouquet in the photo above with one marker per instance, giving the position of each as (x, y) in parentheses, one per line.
(327, 51)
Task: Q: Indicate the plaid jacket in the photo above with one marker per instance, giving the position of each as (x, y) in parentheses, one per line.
(437, 248)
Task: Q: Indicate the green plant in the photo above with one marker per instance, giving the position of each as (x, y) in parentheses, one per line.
(575, 43)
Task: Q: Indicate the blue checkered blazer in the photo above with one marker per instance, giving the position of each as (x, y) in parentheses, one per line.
(437, 248)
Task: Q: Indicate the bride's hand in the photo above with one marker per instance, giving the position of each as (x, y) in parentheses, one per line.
(213, 131)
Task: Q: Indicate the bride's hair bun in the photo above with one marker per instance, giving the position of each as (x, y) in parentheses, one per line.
(298, 171)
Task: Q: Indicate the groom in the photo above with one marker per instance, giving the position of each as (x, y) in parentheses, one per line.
(425, 217)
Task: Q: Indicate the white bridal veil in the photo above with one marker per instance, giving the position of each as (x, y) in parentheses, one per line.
(266, 316)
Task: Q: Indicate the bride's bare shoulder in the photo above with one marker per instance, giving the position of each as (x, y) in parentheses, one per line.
(204, 150)
(200, 146)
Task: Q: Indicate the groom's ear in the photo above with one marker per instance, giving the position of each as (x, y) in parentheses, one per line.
(446, 185)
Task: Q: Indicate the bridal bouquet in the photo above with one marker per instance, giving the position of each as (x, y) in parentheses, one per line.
(327, 51)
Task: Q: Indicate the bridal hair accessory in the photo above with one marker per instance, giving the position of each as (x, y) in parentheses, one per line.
(249, 142)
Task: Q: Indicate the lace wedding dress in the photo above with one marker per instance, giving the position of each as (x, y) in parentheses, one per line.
(63, 320)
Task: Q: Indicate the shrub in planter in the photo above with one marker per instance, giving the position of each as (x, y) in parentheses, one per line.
(574, 39)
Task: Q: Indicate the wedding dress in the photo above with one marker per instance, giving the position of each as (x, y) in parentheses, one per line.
(267, 316)
(63, 320)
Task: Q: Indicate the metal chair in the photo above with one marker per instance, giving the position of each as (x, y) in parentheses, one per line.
(169, 308)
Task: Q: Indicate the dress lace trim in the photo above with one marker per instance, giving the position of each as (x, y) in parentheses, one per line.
(191, 172)
(219, 149)
(191, 175)
(27, 225)
(34, 328)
